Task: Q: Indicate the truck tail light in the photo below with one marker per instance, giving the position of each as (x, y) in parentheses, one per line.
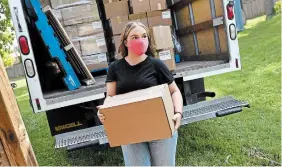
(230, 10)
(24, 45)
(232, 31)
(29, 68)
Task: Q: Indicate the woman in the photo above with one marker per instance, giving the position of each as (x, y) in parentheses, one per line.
(139, 70)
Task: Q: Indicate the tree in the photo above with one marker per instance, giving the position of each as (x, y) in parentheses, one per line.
(6, 34)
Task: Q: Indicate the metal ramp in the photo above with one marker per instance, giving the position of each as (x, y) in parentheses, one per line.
(73, 55)
(191, 113)
(47, 33)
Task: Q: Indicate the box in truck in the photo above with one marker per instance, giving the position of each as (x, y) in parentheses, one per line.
(207, 34)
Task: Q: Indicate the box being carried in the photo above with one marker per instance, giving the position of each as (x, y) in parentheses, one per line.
(139, 116)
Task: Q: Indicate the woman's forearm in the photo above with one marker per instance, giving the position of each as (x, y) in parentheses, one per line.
(177, 101)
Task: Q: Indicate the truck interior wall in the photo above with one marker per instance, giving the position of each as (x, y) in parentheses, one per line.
(206, 38)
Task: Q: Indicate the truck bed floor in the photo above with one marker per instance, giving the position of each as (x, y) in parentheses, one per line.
(99, 86)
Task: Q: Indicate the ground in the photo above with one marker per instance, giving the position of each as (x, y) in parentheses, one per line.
(252, 137)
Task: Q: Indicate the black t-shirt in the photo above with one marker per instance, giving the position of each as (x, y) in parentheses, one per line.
(148, 73)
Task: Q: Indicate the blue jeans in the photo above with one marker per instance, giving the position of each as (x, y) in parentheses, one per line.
(154, 153)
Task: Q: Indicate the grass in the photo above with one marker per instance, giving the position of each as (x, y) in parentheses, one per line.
(252, 137)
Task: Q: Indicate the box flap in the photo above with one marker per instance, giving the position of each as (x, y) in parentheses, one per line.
(135, 96)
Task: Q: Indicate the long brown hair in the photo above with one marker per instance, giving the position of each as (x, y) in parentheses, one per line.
(123, 51)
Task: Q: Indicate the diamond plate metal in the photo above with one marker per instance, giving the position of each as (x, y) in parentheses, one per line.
(191, 113)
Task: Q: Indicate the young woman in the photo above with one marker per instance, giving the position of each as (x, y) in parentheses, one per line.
(138, 69)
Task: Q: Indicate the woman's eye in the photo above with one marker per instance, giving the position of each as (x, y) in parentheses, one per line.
(145, 36)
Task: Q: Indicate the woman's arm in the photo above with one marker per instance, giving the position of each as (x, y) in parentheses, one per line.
(177, 103)
(111, 89)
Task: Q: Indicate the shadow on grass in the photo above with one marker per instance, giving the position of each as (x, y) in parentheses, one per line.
(94, 156)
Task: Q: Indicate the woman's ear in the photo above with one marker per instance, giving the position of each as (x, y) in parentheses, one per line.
(125, 43)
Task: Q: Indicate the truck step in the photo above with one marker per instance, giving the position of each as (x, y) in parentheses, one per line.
(47, 33)
(191, 113)
(73, 55)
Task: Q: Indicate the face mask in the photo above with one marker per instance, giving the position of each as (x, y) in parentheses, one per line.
(138, 46)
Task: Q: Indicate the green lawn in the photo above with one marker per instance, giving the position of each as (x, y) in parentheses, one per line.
(249, 138)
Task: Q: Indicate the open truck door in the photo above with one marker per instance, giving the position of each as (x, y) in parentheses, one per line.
(206, 30)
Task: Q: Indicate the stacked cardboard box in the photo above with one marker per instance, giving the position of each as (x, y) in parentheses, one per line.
(152, 13)
(81, 21)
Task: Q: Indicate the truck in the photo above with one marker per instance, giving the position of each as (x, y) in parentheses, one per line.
(206, 32)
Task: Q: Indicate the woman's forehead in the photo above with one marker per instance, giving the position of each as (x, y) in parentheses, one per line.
(138, 30)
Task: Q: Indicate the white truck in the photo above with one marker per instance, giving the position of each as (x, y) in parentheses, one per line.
(206, 30)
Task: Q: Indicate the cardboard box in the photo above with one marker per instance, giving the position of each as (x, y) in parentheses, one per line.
(96, 62)
(93, 44)
(92, 28)
(114, 8)
(116, 42)
(142, 17)
(131, 117)
(158, 5)
(157, 18)
(58, 3)
(117, 24)
(167, 56)
(161, 36)
(71, 31)
(139, 6)
(66, 3)
(81, 13)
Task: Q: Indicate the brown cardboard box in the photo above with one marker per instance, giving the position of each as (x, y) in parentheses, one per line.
(116, 42)
(158, 5)
(167, 56)
(114, 8)
(71, 31)
(157, 18)
(142, 17)
(81, 13)
(139, 116)
(92, 28)
(161, 36)
(95, 62)
(93, 44)
(139, 6)
(117, 24)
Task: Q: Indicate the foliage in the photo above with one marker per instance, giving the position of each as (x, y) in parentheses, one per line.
(277, 7)
(6, 34)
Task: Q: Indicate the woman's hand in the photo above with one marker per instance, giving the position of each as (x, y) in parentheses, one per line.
(177, 120)
(100, 116)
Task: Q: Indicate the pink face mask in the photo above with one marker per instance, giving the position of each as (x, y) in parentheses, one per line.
(138, 46)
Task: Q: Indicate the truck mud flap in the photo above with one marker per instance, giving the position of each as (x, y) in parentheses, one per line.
(191, 113)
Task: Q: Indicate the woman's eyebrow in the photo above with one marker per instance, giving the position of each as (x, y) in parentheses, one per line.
(133, 35)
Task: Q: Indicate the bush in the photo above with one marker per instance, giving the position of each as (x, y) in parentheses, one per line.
(277, 7)
(8, 60)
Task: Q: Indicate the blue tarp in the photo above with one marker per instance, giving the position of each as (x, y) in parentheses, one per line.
(239, 15)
